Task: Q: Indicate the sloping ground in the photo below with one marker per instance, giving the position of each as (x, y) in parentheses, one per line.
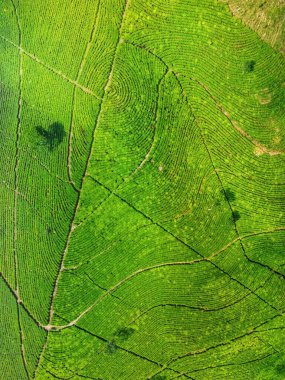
(142, 192)
(267, 18)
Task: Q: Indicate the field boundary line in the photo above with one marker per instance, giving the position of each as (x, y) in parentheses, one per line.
(143, 161)
(245, 236)
(216, 172)
(55, 328)
(238, 236)
(116, 286)
(249, 332)
(84, 175)
(73, 100)
(20, 302)
(130, 352)
(71, 228)
(260, 148)
(113, 192)
(229, 204)
(16, 167)
(52, 69)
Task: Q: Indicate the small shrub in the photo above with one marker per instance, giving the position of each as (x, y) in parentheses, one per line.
(124, 333)
(280, 365)
(235, 215)
(229, 195)
(249, 66)
(111, 347)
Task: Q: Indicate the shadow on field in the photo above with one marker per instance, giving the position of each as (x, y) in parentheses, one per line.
(52, 136)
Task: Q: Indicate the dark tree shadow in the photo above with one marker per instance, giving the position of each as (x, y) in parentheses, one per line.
(53, 136)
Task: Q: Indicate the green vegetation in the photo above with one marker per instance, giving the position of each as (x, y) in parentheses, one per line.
(142, 190)
(229, 195)
(249, 66)
(236, 215)
(125, 333)
(111, 347)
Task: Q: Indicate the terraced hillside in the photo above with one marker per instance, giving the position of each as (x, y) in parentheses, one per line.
(142, 179)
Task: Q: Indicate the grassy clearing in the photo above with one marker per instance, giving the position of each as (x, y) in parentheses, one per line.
(266, 18)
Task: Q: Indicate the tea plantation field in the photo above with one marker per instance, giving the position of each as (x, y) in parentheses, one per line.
(142, 227)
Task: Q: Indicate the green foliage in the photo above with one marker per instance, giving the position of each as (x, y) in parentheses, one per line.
(124, 161)
(235, 215)
(249, 66)
(279, 366)
(124, 333)
(229, 195)
(111, 347)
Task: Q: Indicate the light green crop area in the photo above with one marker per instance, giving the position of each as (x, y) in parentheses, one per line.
(142, 228)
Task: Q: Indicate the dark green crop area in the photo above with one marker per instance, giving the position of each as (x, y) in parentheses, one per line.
(142, 226)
